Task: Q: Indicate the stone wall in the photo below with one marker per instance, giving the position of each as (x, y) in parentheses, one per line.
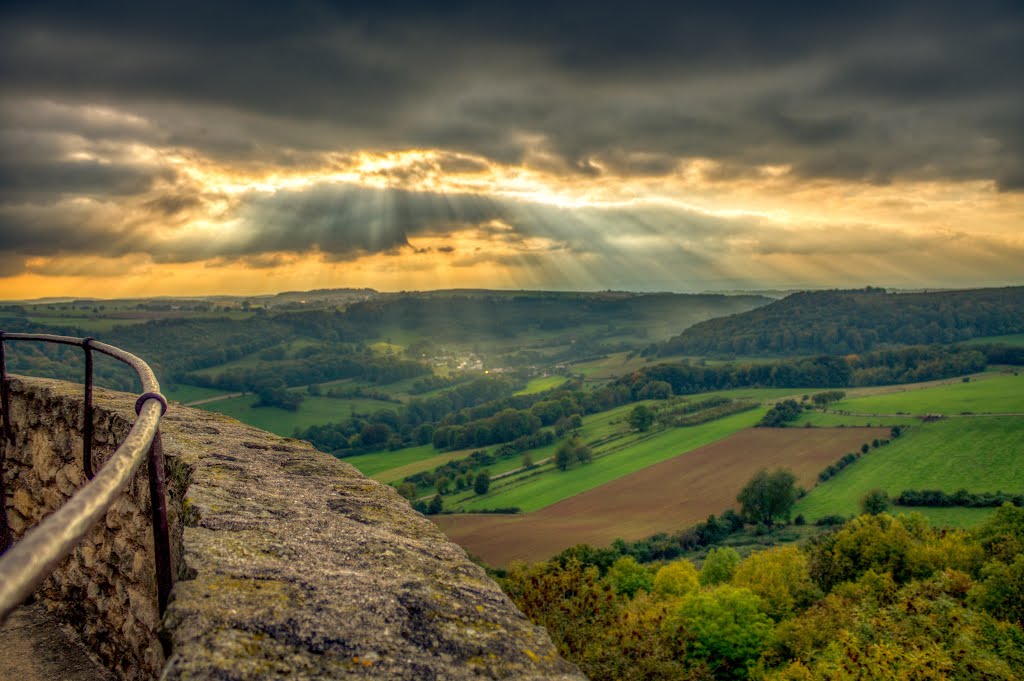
(106, 589)
(291, 564)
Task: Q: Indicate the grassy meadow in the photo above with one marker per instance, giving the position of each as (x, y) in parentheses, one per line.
(980, 454)
(375, 463)
(989, 393)
(540, 384)
(312, 411)
(190, 393)
(1009, 339)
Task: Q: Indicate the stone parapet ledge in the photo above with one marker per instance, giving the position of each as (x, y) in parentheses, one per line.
(294, 565)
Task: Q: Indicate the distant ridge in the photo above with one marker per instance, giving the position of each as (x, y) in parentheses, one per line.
(853, 321)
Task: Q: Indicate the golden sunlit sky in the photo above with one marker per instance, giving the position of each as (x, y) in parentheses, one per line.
(237, 148)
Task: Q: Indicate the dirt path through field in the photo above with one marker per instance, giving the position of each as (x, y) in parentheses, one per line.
(662, 498)
(215, 398)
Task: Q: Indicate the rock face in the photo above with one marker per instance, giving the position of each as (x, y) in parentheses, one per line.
(293, 565)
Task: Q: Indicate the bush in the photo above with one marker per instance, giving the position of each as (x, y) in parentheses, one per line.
(723, 626)
(875, 501)
(782, 413)
(719, 565)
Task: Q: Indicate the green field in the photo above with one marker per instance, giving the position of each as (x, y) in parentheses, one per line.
(112, 315)
(622, 363)
(87, 324)
(1011, 339)
(378, 462)
(387, 348)
(990, 393)
(830, 420)
(539, 385)
(191, 393)
(254, 361)
(605, 432)
(536, 492)
(981, 454)
(312, 411)
(949, 517)
(430, 462)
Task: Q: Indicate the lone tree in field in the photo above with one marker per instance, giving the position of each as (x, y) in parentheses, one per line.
(768, 495)
(571, 452)
(641, 418)
(482, 483)
(875, 501)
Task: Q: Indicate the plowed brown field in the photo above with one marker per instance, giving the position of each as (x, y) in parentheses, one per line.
(663, 498)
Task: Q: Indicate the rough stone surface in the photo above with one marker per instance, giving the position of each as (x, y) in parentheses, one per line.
(291, 565)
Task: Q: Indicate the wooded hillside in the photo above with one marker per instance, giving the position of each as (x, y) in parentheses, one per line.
(841, 322)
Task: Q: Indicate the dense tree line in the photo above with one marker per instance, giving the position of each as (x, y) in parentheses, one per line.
(843, 322)
(313, 366)
(457, 473)
(686, 378)
(910, 365)
(875, 368)
(938, 498)
(879, 597)
(781, 414)
(449, 315)
(505, 426)
(850, 458)
(413, 425)
(445, 478)
(660, 546)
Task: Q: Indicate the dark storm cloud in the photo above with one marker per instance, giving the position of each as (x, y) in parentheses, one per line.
(871, 91)
(40, 230)
(344, 222)
(48, 179)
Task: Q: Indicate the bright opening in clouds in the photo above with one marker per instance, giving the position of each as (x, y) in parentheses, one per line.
(235, 148)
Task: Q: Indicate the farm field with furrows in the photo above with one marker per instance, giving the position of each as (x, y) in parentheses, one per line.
(660, 498)
(536, 492)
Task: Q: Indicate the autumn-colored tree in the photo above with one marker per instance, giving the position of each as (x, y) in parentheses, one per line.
(627, 576)
(1001, 591)
(719, 565)
(724, 626)
(676, 579)
(573, 603)
(781, 578)
(1002, 535)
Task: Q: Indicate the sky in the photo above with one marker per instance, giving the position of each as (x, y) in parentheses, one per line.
(193, 148)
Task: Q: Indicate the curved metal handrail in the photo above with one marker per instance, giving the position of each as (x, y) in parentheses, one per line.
(25, 565)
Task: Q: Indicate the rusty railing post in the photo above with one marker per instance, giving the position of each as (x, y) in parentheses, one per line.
(5, 397)
(5, 529)
(158, 504)
(87, 422)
